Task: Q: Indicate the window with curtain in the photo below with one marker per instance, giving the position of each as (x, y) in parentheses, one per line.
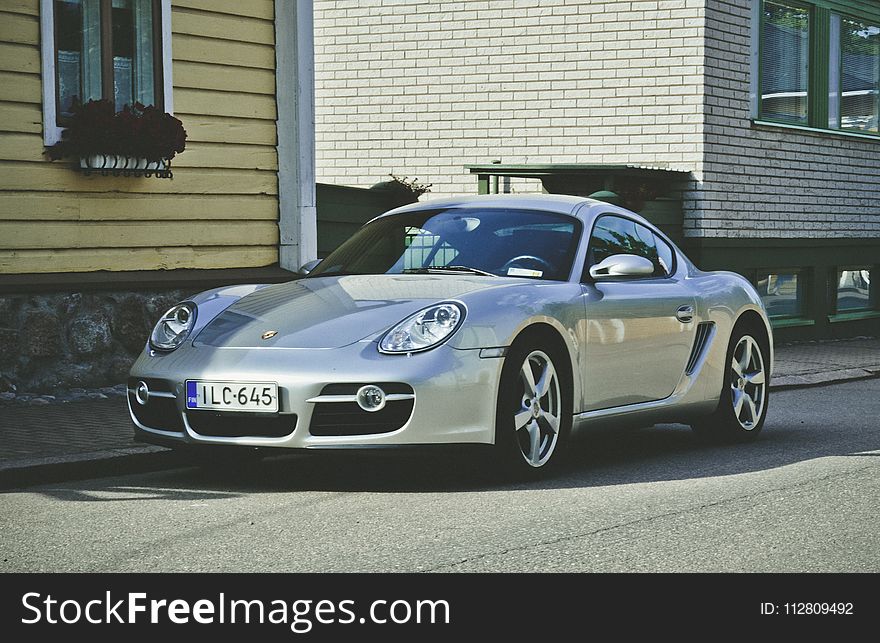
(785, 56)
(107, 49)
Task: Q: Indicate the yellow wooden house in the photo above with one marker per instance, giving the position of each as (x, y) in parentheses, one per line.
(239, 77)
(87, 260)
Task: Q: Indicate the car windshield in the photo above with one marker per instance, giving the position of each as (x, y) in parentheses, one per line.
(501, 242)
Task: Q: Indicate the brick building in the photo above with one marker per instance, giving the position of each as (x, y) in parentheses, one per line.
(748, 129)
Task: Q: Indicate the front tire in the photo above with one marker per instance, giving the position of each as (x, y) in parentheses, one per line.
(533, 417)
(742, 408)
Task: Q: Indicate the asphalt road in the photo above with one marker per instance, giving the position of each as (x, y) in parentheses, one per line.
(801, 498)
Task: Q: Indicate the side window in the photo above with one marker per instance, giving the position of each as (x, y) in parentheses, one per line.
(647, 248)
(616, 235)
(665, 256)
(611, 236)
(657, 250)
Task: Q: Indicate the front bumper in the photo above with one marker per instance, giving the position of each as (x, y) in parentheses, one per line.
(454, 393)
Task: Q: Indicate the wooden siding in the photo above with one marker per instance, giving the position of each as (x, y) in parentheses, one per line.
(221, 208)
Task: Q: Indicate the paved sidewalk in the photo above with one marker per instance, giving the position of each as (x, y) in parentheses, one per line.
(73, 440)
(819, 362)
(57, 441)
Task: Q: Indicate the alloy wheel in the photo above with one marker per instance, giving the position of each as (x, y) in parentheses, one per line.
(537, 420)
(748, 388)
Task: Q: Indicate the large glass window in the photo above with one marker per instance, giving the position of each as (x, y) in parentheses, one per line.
(782, 293)
(853, 289)
(785, 56)
(859, 75)
(817, 66)
(107, 49)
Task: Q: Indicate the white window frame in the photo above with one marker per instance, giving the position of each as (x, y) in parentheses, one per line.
(51, 131)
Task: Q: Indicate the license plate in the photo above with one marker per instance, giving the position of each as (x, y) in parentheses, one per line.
(232, 396)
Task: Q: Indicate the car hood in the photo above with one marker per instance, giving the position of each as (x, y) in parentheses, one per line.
(329, 312)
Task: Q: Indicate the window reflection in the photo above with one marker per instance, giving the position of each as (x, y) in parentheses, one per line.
(860, 75)
(78, 52)
(853, 290)
(785, 55)
(781, 294)
(614, 235)
(123, 53)
(504, 242)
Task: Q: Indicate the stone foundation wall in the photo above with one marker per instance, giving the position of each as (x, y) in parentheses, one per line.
(53, 342)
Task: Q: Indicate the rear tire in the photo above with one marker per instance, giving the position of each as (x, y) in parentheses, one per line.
(742, 407)
(533, 414)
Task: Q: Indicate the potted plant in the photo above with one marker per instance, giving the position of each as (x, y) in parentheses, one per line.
(138, 140)
(403, 190)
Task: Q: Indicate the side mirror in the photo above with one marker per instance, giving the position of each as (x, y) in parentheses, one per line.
(617, 266)
(308, 266)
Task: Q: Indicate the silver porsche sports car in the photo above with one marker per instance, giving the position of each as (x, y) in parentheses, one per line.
(495, 320)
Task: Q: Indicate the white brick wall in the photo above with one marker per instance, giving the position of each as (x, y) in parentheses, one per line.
(773, 182)
(424, 88)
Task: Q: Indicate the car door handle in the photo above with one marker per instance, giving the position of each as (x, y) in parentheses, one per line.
(685, 314)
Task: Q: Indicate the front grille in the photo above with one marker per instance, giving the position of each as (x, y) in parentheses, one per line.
(155, 385)
(347, 418)
(352, 389)
(240, 424)
(158, 413)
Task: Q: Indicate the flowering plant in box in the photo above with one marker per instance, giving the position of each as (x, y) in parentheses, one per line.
(137, 133)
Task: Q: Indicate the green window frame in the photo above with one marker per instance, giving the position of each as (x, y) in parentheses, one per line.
(827, 73)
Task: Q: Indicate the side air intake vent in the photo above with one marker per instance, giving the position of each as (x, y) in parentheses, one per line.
(705, 332)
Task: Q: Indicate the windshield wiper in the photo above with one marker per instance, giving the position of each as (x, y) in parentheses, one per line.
(331, 273)
(427, 270)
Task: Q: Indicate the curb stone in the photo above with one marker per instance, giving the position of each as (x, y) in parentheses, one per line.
(95, 464)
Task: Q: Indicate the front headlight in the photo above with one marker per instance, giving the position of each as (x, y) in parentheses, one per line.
(425, 329)
(174, 327)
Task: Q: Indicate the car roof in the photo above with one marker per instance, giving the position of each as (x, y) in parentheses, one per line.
(560, 203)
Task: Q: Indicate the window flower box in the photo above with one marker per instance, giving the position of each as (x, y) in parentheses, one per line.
(117, 165)
(137, 141)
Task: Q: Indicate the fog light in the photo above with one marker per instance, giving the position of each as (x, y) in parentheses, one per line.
(371, 398)
(142, 393)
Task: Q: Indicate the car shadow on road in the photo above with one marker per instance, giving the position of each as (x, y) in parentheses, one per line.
(656, 454)
(124, 493)
(805, 428)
